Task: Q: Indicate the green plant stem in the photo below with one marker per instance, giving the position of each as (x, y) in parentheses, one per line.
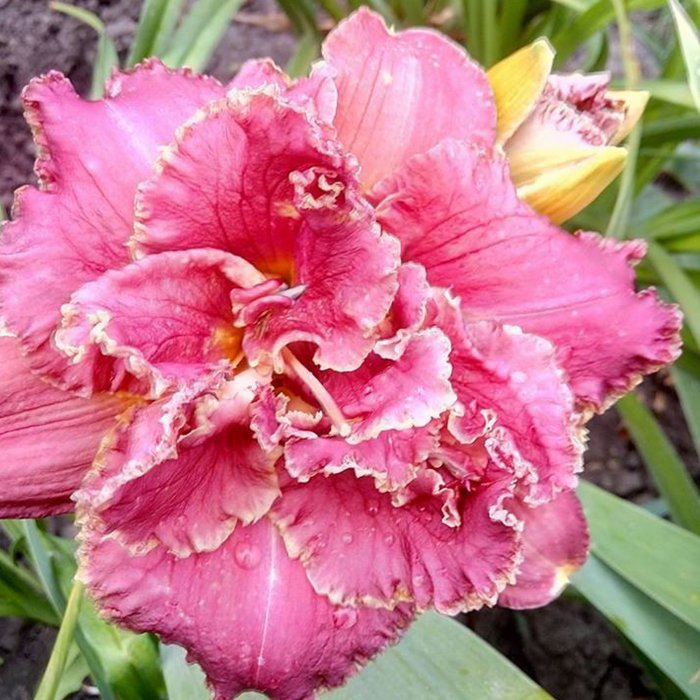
(617, 226)
(471, 10)
(491, 48)
(54, 670)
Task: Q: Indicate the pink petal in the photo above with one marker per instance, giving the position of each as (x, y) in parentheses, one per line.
(317, 93)
(456, 212)
(514, 395)
(392, 458)
(573, 110)
(400, 94)
(48, 438)
(163, 319)
(262, 180)
(91, 157)
(555, 544)
(358, 548)
(245, 612)
(396, 394)
(184, 472)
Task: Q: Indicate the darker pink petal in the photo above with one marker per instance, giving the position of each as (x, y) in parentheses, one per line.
(400, 94)
(392, 458)
(184, 472)
(259, 178)
(91, 157)
(357, 547)
(163, 320)
(407, 390)
(245, 612)
(513, 395)
(48, 438)
(554, 544)
(456, 212)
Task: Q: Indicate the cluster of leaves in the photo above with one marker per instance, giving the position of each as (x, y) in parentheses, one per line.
(644, 572)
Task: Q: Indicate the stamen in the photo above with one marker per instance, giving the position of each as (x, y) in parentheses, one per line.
(319, 392)
(293, 292)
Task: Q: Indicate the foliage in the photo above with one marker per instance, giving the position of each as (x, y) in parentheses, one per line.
(644, 572)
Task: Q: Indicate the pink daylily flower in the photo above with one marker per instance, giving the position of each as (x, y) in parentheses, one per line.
(300, 357)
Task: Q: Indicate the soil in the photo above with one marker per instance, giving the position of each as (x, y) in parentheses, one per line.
(566, 647)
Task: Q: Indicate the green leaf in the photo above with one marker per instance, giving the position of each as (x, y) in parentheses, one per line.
(664, 464)
(441, 660)
(106, 57)
(122, 664)
(75, 672)
(156, 24)
(673, 645)
(106, 60)
(687, 385)
(183, 681)
(690, 47)
(659, 558)
(679, 284)
(200, 32)
(674, 92)
(21, 594)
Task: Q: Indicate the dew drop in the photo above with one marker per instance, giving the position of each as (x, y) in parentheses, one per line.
(373, 507)
(247, 555)
(344, 618)
(389, 539)
(346, 537)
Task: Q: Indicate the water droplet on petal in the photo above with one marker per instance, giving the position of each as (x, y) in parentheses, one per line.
(247, 555)
(389, 539)
(344, 618)
(346, 537)
(373, 507)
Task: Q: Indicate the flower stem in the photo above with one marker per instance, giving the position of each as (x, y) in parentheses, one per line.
(54, 670)
(617, 226)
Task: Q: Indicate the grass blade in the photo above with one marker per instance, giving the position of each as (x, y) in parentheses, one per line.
(659, 558)
(664, 464)
(106, 58)
(673, 645)
(679, 284)
(690, 47)
(156, 24)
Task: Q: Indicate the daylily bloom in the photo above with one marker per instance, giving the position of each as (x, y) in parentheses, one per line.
(560, 132)
(303, 359)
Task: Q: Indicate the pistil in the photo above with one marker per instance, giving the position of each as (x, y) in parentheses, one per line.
(325, 400)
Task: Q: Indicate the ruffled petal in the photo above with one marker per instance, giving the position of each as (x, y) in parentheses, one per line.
(184, 472)
(555, 544)
(316, 93)
(164, 320)
(91, 157)
(358, 548)
(393, 458)
(261, 179)
(245, 612)
(48, 438)
(456, 212)
(513, 394)
(407, 390)
(402, 93)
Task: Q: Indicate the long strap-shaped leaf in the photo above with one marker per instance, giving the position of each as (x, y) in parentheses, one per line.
(659, 558)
